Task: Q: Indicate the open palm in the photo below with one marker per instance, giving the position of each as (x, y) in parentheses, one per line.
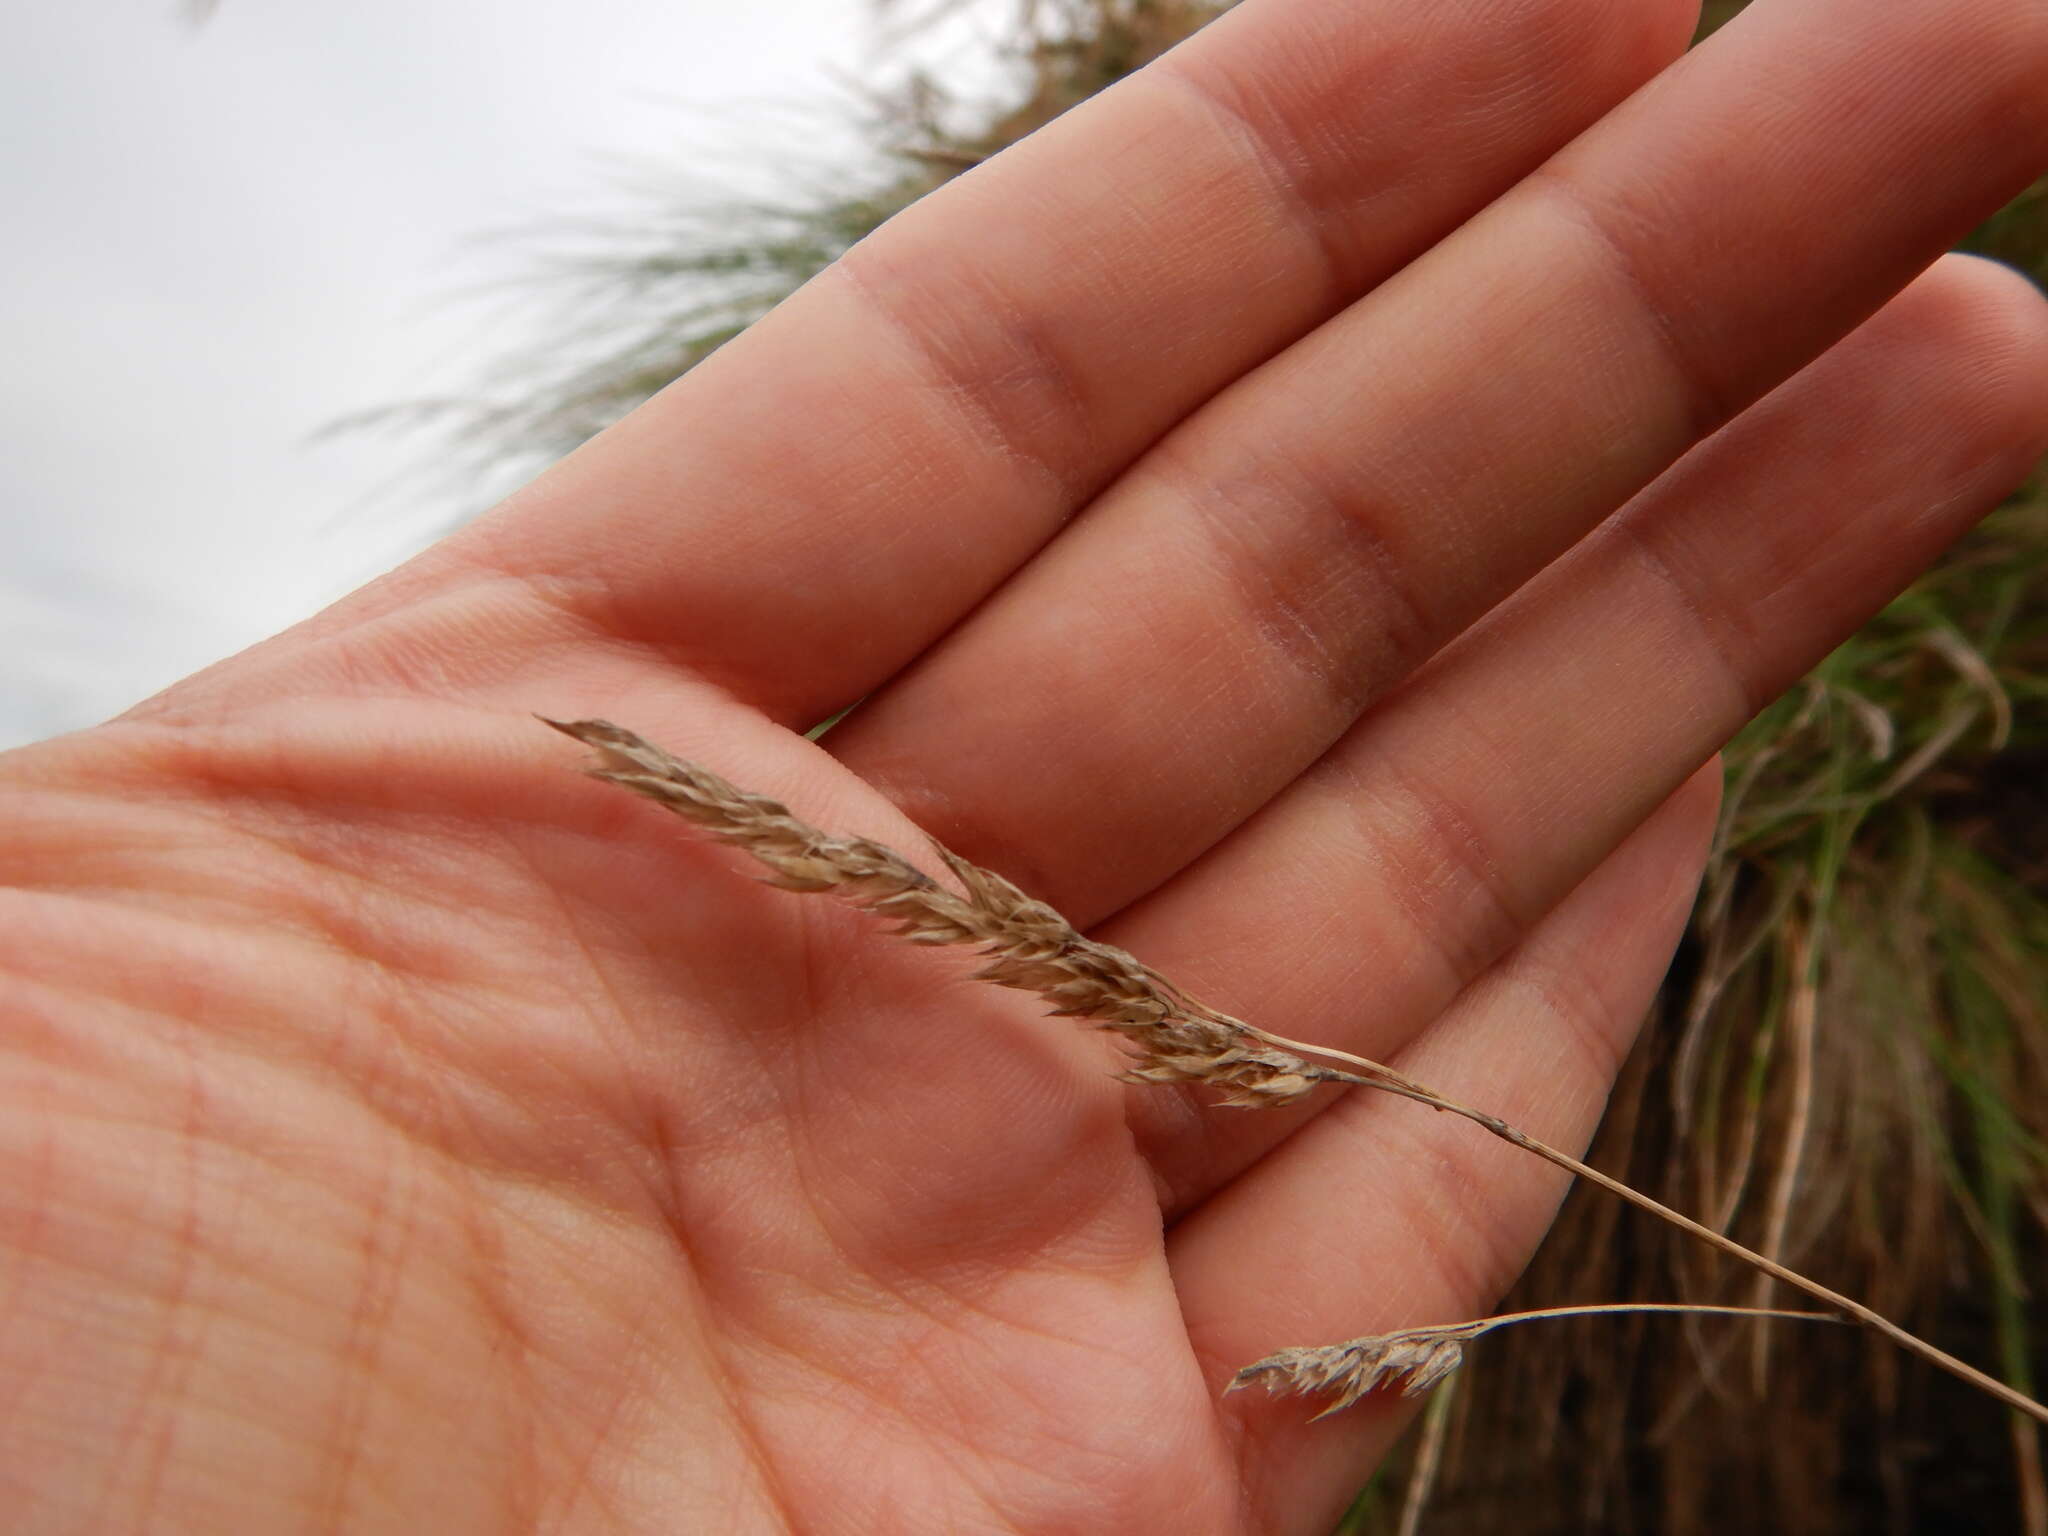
(1258, 515)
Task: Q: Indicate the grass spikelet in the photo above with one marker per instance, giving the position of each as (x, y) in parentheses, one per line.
(1025, 943)
(1412, 1360)
(1409, 1362)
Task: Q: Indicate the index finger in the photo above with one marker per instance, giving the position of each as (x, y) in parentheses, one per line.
(811, 507)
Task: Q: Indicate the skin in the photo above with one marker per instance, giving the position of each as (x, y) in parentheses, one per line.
(1311, 513)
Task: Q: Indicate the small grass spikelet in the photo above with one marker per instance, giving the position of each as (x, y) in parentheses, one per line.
(1410, 1361)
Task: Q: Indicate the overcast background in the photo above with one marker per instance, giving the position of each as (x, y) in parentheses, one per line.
(221, 238)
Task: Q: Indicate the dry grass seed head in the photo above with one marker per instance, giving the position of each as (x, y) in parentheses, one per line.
(1025, 944)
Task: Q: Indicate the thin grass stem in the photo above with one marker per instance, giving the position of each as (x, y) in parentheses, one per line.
(1170, 1036)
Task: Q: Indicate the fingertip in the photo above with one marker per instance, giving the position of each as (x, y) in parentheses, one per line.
(1696, 807)
(1992, 321)
(1664, 28)
(1646, 883)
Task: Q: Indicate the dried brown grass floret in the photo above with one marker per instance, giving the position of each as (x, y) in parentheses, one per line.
(1410, 1361)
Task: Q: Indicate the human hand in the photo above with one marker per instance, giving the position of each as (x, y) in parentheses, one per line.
(403, 1133)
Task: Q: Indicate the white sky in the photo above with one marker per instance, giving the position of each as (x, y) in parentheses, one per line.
(219, 239)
